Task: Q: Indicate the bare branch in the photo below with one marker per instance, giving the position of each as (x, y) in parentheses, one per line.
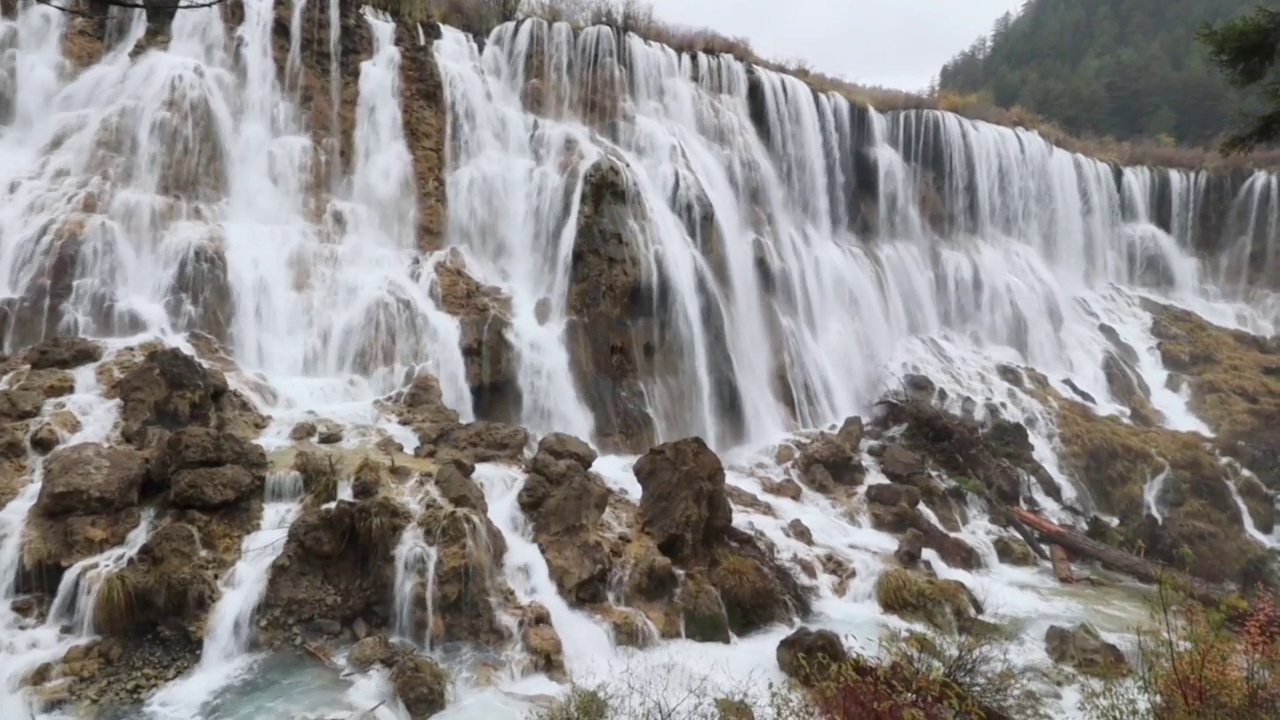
(131, 5)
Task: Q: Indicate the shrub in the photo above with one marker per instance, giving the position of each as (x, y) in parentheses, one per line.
(1199, 663)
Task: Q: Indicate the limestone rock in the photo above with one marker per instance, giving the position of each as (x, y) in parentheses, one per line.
(63, 353)
(1013, 551)
(421, 685)
(212, 487)
(1084, 649)
(704, 617)
(835, 456)
(683, 506)
(475, 442)
(89, 478)
(808, 655)
(171, 390)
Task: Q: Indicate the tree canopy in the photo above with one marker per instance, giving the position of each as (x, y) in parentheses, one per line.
(1108, 68)
(1247, 50)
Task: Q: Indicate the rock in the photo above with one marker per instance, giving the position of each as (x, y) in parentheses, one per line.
(919, 388)
(683, 505)
(367, 481)
(947, 605)
(1013, 551)
(468, 579)
(787, 488)
(421, 685)
(474, 442)
(909, 548)
(373, 650)
(851, 433)
(808, 655)
(799, 531)
(19, 404)
(212, 487)
(89, 478)
(421, 403)
(63, 353)
(704, 616)
(953, 551)
(454, 482)
(833, 456)
(326, 626)
(171, 390)
(755, 589)
(901, 465)
(893, 494)
(48, 384)
(730, 709)
(567, 447)
(1084, 649)
(304, 430)
(545, 650)
(328, 433)
(45, 438)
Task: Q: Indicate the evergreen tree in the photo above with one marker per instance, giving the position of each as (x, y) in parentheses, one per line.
(1118, 68)
(1247, 49)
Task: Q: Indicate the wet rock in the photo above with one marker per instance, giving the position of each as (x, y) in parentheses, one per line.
(337, 563)
(1083, 648)
(808, 655)
(490, 359)
(421, 685)
(304, 430)
(565, 504)
(901, 465)
(200, 295)
(683, 506)
(1012, 551)
(63, 353)
(468, 582)
(368, 479)
(919, 388)
(755, 589)
(212, 487)
(421, 403)
(891, 494)
(909, 548)
(375, 650)
(89, 478)
(799, 531)
(44, 438)
(947, 605)
(173, 582)
(328, 433)
(542, 642)
(787, 488)
(19, 404)
(476, 442)
(835, 457)
(48, 384)
(893, 518)
(1129, 388)
(171, 390)
(704, 616)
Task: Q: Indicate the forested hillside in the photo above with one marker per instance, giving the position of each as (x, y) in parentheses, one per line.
(1118, 68)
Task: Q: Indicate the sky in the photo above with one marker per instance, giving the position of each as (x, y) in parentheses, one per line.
(893, 43)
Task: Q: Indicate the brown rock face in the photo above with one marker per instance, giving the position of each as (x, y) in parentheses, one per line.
(337, 564)
(830, 456)
(491, 362)
(808, 655)
(170, 390)
(200, 295)
(422, 686)
(565, 504)
(475, 442)
(63, 353)
(612, 338)
(1084, 649)
(683, 506)
(90, 479)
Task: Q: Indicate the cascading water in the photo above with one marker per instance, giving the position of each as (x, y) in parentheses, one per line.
(793, 255)
(230, 625)
(78, 590)
(415, 562)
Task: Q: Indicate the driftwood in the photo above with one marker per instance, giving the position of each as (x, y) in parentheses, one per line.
(1061, 565)
(1139, 568)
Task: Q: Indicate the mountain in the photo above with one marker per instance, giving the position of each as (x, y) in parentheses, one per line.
(1108, 68)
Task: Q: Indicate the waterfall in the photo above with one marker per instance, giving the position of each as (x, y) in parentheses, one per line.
(676, 244)
(229, 629)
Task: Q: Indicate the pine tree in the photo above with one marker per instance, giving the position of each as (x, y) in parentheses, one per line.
(1247, 49)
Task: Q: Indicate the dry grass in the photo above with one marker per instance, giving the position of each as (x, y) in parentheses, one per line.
(115, 607)
(944, 604)
(320, 475)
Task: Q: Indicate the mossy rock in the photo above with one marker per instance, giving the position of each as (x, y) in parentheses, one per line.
(947, 605)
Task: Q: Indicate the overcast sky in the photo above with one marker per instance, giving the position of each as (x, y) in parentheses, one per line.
(895, 43)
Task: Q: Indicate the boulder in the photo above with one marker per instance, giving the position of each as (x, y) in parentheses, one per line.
(89, 478)
(19, 404)
(421, 685)
(468, 579)
(542, 642)
(901, 465)
(835, 457)
(63, 353)
(808, 655)
(1013, 551)
(946, 605)
(375, 650)
(421, 403)
(703, 613)
(200, 447)
(475, 442)
(212, 487)
(893, 494)
(755, 589)
(1083, 648)
(171, 390)
(683, 505)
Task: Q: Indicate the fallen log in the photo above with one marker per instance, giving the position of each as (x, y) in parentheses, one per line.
(1118, 560)
(1061, 565)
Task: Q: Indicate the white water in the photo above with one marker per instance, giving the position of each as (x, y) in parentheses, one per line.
(78, 589)
(229, 629)
(198, 155)
(415, 561)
